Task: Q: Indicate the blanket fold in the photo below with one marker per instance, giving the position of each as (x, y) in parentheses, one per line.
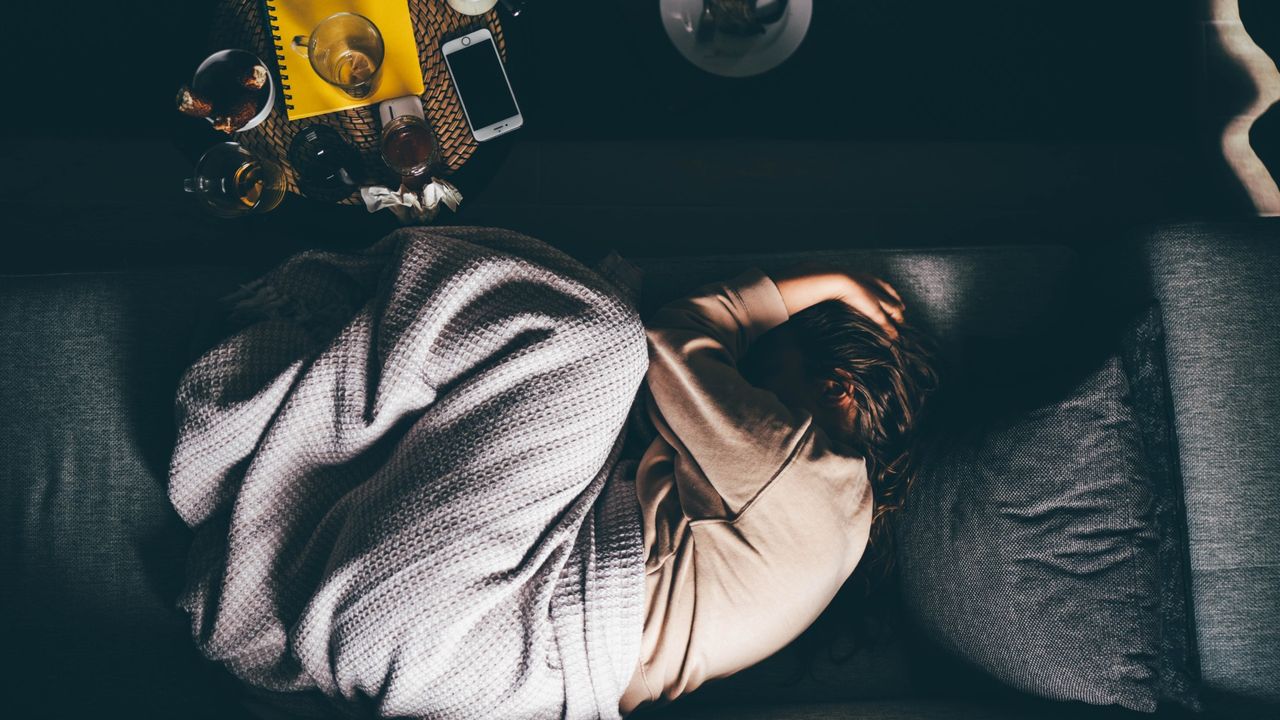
(402, 477)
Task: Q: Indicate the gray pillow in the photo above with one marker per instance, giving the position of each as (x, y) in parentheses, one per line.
(1047, 548)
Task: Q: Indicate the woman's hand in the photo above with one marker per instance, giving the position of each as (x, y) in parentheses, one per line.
(804, 286)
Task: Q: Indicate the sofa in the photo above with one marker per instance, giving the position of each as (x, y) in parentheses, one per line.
(92, 556)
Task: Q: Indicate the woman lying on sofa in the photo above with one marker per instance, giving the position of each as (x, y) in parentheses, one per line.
(416, 491)
(782, 406)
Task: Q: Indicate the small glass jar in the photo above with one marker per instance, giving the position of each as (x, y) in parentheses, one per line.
(408, 146)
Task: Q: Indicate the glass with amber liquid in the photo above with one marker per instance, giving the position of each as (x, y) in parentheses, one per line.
(230, 181)
(346, 51)
(408, 146)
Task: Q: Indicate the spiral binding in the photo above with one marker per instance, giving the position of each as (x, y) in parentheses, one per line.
(272, 19)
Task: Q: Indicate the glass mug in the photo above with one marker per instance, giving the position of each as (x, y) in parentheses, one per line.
(230, 182)
(346, 51)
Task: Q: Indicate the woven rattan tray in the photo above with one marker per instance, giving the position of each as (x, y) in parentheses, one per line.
(242, 24)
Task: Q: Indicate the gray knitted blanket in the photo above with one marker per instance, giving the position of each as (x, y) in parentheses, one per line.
(402, 477)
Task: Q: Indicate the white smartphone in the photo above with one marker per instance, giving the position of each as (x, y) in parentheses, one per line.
(482, 84)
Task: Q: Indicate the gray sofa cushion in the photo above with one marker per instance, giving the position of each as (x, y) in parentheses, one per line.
(1218, 289)
(92, 553)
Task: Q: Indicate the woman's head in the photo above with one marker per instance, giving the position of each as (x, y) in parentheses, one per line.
(864, 387)
(867, 389)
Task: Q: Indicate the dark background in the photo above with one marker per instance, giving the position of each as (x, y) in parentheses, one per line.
(907, 123)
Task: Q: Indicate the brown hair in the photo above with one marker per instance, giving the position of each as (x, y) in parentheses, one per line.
(889, 382)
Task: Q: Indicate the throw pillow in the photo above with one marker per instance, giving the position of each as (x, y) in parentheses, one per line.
(1047, 548)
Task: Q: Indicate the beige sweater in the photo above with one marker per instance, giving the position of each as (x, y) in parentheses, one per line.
(753, 517)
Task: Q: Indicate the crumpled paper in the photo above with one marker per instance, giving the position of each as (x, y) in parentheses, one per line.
(409, 207)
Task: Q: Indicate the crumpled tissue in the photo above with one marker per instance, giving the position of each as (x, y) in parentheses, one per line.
(409, 207)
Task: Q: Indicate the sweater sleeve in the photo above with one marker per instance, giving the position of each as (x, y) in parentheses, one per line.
(737, 435)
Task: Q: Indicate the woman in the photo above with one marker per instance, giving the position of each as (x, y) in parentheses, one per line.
(403, 477)
(779, 413)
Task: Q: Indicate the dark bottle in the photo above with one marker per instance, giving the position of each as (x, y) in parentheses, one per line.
(329, 169)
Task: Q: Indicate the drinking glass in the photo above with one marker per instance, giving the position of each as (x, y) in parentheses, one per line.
(346, 51)
(408, 146)
(230, 182)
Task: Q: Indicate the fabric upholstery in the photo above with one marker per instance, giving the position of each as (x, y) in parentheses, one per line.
(1142, 352)
(1029, 547)
(953, 293)
(92, 553)
(1219, 290)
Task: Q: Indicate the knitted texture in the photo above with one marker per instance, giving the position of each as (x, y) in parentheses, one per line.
(401, 477)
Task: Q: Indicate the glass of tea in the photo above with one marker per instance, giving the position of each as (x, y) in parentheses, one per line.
(230, 181)
(346, 51)
(408, 146)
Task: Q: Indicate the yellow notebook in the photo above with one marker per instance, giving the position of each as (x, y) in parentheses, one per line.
(305, 93)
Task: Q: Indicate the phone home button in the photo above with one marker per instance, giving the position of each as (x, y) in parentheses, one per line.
(466, 41)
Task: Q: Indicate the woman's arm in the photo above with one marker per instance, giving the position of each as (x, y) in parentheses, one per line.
(736, 434)
(726, 431)
(804, 286)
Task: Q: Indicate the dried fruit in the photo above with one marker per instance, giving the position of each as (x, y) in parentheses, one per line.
(191, 104)
(255, 78)
(239, 116)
